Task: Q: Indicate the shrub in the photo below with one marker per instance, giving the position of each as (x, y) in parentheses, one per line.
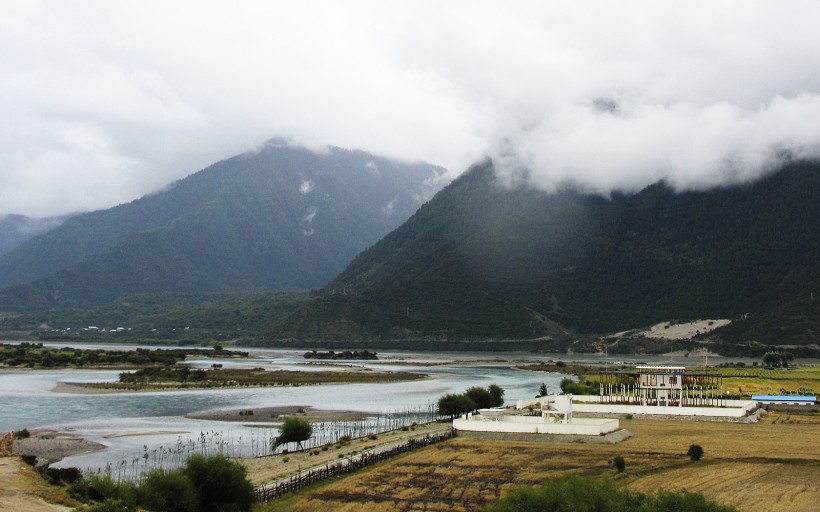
(58, 476)
(170, 491)
(619, 463)
(220, 483)
(21, 434)
(585, 493)
(695, 452)
(112, 506)
(103, 488)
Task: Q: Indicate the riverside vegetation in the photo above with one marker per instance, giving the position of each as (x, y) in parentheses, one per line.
(203, 484)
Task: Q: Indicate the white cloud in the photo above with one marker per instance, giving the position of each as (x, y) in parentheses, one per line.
(106, 101)
(306, 187)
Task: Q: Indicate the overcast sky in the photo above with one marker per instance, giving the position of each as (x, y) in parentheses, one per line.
(103, 102)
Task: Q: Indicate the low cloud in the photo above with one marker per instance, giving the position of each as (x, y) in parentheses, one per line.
(104, 102)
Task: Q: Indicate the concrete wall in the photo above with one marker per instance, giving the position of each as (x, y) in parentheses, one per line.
(716, 412)
(525, 424)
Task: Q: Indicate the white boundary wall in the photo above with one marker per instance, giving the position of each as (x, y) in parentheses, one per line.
(537, 425)
(733, 409)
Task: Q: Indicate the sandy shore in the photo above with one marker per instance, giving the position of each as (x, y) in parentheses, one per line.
(276, 415)
(54, 446)
(80, 389)
(143, 433)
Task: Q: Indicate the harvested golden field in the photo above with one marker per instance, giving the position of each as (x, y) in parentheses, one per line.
(779, 457)
(776, 487)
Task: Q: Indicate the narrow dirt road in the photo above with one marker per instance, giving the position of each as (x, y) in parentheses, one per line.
(20, 489)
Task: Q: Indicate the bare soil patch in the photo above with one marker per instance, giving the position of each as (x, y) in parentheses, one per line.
(54, 446)
(277, 414)
(683, 331)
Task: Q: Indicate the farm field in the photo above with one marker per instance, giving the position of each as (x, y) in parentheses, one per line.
(803, 380)
(771, 465)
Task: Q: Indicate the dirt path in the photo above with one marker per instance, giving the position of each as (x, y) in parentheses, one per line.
(20, 488)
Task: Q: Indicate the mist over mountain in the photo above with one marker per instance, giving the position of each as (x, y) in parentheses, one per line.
(281, 218)
(18, 229)
(483, 260)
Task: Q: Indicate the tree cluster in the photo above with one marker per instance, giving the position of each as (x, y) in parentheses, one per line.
(777, 359)
(346, 354)
(471, 400)
(570, 387)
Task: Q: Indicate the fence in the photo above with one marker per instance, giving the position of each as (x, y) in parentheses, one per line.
(259, 442)
(301, 480)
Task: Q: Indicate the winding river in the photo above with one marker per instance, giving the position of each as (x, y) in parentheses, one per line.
(28, 399)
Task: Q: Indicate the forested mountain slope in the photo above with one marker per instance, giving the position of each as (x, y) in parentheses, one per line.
(15, 230)
(484, 261)
(282, 218)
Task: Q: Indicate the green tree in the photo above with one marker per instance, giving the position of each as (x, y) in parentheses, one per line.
(452, 405)
(220, 483)
(497, 394)
(294, 430)
(480, 396)
(778, 359)
(542, 390)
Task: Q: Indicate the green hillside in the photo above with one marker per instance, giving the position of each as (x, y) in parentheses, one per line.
(482, 261)
(285, 218)
(15, 230)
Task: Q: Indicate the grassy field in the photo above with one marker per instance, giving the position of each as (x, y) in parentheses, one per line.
(771, 465)
(804, 380)
(800, 380)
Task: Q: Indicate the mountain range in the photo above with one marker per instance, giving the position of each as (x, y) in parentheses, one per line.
(485, 261)
(280, 218)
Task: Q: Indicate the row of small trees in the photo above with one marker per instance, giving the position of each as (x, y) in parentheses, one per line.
(471, 400)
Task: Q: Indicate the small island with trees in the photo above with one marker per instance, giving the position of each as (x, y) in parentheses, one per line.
(347, 354)
(35, 355)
